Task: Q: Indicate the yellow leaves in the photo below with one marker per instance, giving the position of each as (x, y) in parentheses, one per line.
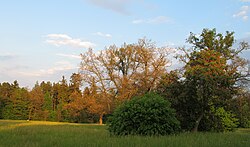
(121, 72)
(95, 105)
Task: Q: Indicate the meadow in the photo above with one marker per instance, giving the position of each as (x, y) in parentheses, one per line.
(38, 133)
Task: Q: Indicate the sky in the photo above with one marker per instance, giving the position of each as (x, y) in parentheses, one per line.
(41, 40)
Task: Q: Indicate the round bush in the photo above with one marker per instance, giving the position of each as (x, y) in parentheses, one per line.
(147, 115)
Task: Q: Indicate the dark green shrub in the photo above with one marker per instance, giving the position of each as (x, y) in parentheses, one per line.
(147, 115)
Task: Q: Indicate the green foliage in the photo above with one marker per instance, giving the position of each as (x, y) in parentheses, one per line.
(17, 106)
(226, 121)
(182, 98)
(241, 107)
(146, 115)
(210, 79)
(46, 101)
(210, 39)
(209, 70)
(5, 92)
(219, 120)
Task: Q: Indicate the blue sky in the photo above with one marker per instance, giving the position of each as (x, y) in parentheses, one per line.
(42, 40)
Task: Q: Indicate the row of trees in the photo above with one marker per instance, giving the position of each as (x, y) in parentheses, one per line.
(213, 83)
(46, 101)
(211, 91)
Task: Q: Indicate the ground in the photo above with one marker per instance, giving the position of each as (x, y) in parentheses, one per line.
(38, 133)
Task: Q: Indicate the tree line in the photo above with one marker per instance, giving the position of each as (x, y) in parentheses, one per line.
(210, 92)
(46, 101)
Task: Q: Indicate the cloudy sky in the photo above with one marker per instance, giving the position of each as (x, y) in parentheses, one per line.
(42, 40)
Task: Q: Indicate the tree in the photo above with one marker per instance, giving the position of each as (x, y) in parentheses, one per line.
(121, 73)
(5, 92)
(62, 97)
(46, 87)
(210, 39)
(36, 103)
(74, 106)
(170, 86)
(212, 71)
(206, 71)
(241, 107)
(48, 100)
(95, 103)
(16, 106)
(75, 82)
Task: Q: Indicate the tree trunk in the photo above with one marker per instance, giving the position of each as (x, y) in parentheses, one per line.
(197, 122)
(100, 119)
(59, 115)
(30, 114)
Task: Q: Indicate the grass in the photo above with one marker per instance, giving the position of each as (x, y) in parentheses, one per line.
(38, 133)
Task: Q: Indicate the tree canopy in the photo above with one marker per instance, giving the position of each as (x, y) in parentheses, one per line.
(212, 71)
(209, 93)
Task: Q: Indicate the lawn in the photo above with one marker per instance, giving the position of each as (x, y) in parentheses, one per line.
(38, 133)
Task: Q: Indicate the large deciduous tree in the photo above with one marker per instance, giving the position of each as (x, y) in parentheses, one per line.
(206, 75)
(120, 73)
(212, 73)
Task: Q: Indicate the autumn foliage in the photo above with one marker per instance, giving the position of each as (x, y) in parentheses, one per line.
(209, 93)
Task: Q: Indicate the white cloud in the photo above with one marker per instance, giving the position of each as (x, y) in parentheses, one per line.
(6, 56)
(103, 34)
(119, 6)
(63, 39)
(58, 67)
(155, 20)
(69, 56)
(245, 18)
(243, 13)
(27, 75)
(138, 21)
(62, 36)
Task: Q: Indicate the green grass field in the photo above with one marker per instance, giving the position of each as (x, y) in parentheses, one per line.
(37, 133)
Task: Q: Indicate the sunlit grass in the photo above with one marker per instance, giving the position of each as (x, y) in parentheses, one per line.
(38, 133)
(11, 124)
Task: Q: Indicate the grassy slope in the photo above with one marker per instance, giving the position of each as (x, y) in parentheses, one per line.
(36, 133)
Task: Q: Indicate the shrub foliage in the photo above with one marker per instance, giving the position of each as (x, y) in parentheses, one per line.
(147, 115)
